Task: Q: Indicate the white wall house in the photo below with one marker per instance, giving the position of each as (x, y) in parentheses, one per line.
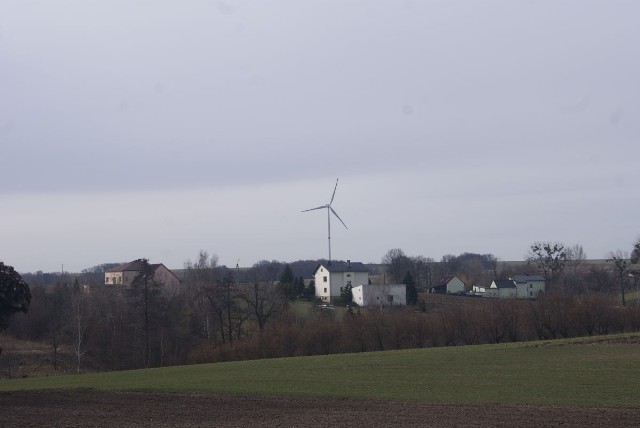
(502, 288)
(449, 284)
(529, 286)
(331, 278)
(380, 295)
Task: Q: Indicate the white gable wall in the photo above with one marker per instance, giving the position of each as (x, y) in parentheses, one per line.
(455, 286)
(323, 284)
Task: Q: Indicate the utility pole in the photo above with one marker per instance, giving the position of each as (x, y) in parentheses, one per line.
(147, 350)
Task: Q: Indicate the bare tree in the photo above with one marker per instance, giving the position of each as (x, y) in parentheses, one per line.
(550, 257)
(264, 298)
(620, 260)
(78, 326)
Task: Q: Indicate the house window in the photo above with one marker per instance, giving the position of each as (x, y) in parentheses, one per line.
(325, 290)
(348, 275)
(106, 280)
(390, 298)
(324, 279)
(530, 286)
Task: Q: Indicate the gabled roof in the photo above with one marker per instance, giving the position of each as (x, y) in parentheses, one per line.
(445, 280)
(504, 283)
(336, 267)
(527, 278)
(135, 266)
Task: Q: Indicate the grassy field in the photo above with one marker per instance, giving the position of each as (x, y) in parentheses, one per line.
(565, 372)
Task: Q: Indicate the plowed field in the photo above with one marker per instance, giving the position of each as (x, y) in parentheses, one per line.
(85, 408)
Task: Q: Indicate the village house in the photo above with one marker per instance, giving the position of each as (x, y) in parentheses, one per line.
(518, 287)
(126, 274)
(332, 277)
(380, 295)
(529, 286)
(449, 284)
(502, 289)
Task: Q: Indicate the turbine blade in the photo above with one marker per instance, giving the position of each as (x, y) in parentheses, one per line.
(316, 208)
(336, 214)
(334, 191)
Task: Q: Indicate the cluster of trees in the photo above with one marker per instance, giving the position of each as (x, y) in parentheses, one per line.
(147, 325)
(425, 272)
(469, 321)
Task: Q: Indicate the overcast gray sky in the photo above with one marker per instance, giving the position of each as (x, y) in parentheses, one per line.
(155, 129)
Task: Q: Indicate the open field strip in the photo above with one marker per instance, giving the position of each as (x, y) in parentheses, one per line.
(583, 372)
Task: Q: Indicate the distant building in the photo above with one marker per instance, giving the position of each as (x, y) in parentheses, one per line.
(502, 288)
(529, 286)
(520, 287)
(380, 295)
(331, 278)
(126, 274)
(449, 284)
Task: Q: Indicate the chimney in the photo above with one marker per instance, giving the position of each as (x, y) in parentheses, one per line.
(349, 263)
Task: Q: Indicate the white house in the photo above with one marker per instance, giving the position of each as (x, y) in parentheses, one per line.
(502, 288)
(331, 278)
(448, 285)
(529, 286)
(380, 295)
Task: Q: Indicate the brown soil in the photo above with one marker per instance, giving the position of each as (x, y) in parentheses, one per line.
(84, 408)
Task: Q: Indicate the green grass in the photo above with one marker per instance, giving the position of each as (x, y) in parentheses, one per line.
(546, 373)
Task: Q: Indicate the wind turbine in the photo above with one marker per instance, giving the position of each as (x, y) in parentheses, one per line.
(329, 211)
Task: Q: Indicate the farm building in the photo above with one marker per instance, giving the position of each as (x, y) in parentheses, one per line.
(520, 287)
(332, 277)
(126, 274)
(502, 288)
(380, 295)
(529, 286)
(449, 284)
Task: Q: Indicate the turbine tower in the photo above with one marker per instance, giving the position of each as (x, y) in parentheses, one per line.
(329, 211)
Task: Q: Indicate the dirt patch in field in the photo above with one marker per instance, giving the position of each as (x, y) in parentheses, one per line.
(82, 408)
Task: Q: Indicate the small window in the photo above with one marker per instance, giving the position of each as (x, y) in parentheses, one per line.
(530, 286)
(348, 275)
(325, 290)
(324, 279)
(390, 298)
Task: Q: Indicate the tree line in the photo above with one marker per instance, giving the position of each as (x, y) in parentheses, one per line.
(212, 316)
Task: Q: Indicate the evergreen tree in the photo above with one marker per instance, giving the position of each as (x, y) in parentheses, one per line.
(299, 286)
(15, 295)
(412, 292)
(287, 282)
(347, 295)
